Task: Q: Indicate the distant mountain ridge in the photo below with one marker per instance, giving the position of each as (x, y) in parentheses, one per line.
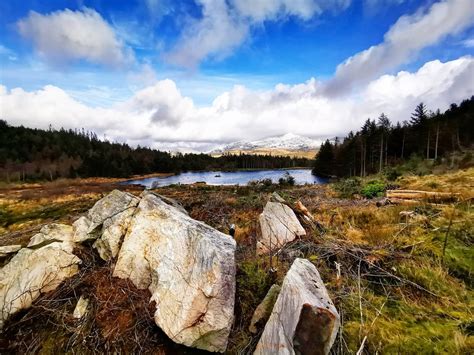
(288, 142)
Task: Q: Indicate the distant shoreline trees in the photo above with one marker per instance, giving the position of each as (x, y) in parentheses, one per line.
(28, 154)
(380, 144)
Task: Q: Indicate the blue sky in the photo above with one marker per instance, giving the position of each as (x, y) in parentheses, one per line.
(171, 65)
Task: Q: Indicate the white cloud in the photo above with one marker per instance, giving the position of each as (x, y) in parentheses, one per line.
(468, 43)
(225, 25)
(218, 33)
(402, 42)
(160, 116)
(64, 36)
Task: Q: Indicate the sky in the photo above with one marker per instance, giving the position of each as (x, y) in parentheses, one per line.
(193, 75)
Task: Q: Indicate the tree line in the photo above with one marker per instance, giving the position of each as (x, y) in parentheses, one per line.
(380, 144)
(32, 154)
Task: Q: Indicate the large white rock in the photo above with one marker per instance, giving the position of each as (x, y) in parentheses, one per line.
(32, 272)
(279, 226)
(189, 269)
(107, 221)
(52, 232)
(303, 320)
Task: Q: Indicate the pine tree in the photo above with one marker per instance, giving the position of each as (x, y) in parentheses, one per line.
(323, 165)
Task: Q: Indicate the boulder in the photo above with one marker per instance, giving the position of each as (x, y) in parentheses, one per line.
(189, 269)
(279, 226)
(303, 320)
(9, 249)
(52, 232)
(264, 309)
(107, 222)
(32, 272)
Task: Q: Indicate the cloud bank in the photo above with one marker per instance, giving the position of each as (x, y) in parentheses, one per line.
(160, 116)
(409, 35)
(65, 36)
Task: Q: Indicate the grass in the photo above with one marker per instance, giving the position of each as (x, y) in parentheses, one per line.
(410, 299)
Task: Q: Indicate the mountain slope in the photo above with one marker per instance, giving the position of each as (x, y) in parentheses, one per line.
(288, 144)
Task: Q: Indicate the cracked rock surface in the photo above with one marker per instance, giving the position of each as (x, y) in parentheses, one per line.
(32, 272)
(107, 221)
(303, 320)
(189, 268)
(279, 226)
(53, 231)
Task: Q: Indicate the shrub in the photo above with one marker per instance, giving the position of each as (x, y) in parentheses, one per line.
(348, 187)
(261, 185)
(286, 180)
(374, 188)
(391, 174)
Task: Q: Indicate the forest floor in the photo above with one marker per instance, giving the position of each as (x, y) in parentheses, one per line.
(399, 290)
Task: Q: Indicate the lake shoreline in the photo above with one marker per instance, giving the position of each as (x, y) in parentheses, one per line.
(300, 176)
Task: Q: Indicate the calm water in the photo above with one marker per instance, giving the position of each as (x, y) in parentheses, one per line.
(302, 176)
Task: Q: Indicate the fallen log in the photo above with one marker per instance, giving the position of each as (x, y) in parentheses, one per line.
(428, 196)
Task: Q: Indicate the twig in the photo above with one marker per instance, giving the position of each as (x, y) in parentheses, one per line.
(361, 346)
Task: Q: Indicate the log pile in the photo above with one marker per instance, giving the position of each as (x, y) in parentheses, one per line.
(412, 197)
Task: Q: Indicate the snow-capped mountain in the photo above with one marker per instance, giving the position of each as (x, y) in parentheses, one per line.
(288, 142)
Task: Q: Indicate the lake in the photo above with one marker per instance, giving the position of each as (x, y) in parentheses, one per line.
(302, 176)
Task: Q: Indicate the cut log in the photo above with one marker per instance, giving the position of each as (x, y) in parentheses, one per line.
(429, 196)
(306, 217)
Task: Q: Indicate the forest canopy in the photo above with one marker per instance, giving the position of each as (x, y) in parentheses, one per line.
(380, 144)
(30, 154)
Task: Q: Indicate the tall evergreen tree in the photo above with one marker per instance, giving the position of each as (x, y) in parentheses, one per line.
(324, 160)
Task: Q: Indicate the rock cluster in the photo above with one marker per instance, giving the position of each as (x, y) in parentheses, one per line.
(188, 266)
